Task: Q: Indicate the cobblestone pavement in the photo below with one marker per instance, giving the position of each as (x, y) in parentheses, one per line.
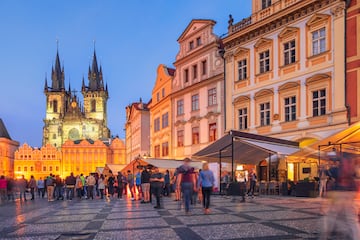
(259, 218)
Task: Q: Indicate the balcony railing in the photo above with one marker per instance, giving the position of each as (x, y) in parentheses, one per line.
(262, 14)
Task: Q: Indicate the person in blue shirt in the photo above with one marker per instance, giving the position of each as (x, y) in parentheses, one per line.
(138, 183)
(206, 181)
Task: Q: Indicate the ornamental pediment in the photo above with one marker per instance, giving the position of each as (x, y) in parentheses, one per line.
(262, 42)
(288, 31)
(317, 77)
(240, 51)
(180, 122)
(264, 92)
(242, 99)
(288, 85)
(316, 18)
(194, 119)
(211, 114)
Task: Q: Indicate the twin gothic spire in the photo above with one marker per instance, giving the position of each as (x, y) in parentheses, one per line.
(95, 77)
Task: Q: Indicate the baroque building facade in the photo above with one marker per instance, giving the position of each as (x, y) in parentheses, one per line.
(285, 71)
(66, 118)
(161, 114)
(197, 88)
(7, 151)
(80, 156)
(137, 130)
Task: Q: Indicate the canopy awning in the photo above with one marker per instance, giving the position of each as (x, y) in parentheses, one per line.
(348, 138)
(245, 148)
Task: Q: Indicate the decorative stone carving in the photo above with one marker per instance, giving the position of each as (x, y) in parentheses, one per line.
(338, 11)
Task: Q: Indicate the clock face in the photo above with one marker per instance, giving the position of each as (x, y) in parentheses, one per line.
(73, 104)
(74, 134)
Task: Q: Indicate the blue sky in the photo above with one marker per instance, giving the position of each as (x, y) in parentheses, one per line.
(132, 38)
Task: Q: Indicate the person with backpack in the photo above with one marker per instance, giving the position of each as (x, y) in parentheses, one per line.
(70, 182)
(157, 184)
(79, 187)
(187, 182)
(206, 181)
(145, 185)
(32, 186)
(111, 182)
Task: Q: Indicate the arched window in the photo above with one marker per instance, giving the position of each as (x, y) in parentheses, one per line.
(93, 105)
(55, 106)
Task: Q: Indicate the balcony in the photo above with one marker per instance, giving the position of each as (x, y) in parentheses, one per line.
(262, 14)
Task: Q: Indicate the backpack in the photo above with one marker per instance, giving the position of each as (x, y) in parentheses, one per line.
(49, 181)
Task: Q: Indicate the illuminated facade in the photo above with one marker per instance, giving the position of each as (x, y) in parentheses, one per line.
(161, 114)
(197, 90)
(81, 156)
(353, 59)
(65, 117)
(7, 150)
(283, 76)
(137, 130)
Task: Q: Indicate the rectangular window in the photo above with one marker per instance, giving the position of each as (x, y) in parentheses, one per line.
(180, 107)
(264, 58)
(44, 168)
(157, 151)
(319, 41)
(19, 169)
(212, 132)
(195, 102)
(50, 168)
(203, 67)
(242, 69)
(319, 102)
(180, 138)
(194, 71)
(31, 169)
(165, 149)
(265, 3)
(165, 120)
(57, 168)
(289, 52)
(191, 45)
(157, 97)
(265, 114)
(186, 75)
(212, 97)
(55, 106)
(156, 124)
(25, 169)
(163, 92)
(198, 41)
(195, 135)
(290, 108)
(243, 118)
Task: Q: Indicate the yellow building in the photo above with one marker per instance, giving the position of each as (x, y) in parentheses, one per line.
(65, 117)
(137, 130)
(161, 114)
(197, 90)
(37, 162)
(7, 150)
(82, 156)
(285, 71)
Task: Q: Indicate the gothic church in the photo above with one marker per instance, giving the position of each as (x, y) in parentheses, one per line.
(66, 117)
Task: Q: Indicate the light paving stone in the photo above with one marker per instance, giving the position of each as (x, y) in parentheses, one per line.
(67, 218)
(210, 219)
(308, 225)
(279, 215)
(131, 215)
(50, 228)
(240, 230)
(133, 223)
(148, 234)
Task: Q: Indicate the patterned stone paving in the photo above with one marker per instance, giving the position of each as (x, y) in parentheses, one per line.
(269, 217)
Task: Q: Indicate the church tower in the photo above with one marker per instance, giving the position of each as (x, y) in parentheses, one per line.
(56, 104)
(95, 97)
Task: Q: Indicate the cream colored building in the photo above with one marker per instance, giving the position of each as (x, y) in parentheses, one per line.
(197, 90)
(285, 71)
(137, 130)
(7, 150)
(161, 127)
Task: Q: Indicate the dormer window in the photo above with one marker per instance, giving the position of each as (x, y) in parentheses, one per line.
(198, 41)
(265, 3)
(191, 45)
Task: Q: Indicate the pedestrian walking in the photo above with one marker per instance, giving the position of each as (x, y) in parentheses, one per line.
(138, 184)
(252, 179)
(32, 186)
(22, 186)
(120, 181)
(130, 181)
(206, 181)
(79, 187)
(145, 185)
(167, 183)
(50, 181)
(59, 185)
(11, 185)
(40, 184)
(187, 182)
(3, 188)
(70, 182)
(157, 185)
(323, 177)
(91, 181)
(101, 186)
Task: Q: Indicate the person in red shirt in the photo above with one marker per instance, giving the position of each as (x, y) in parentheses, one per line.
(3, 186)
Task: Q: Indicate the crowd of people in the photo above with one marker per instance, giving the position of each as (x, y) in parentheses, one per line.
(189, 186)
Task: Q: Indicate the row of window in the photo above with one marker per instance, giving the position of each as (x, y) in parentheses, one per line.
(164, 122)
(194, 71)
(162, 94)
(289, 54)
(44, 169)
(44, 156)
(192, 43)
(212, 100)
(165, 150)
(290, 108)
(195, 135)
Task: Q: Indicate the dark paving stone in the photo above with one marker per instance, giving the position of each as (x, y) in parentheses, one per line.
(270, 238)
(164, 213)
(94, 225)
(187, 234)
(225, 210)
(172, 221)
(283, 228)
(101, 216)
(248, 217)
(78, 236)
